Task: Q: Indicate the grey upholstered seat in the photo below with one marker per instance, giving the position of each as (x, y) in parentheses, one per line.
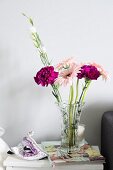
(107, 139)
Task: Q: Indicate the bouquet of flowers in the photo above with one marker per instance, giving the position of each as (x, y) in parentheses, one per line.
(67, 72)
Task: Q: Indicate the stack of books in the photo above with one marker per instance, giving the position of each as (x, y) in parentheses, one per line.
(85, 155)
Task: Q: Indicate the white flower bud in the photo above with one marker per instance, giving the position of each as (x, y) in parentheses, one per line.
(33, 29)
(44, 49)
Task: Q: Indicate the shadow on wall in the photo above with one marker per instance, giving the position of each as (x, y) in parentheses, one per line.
(91, 117)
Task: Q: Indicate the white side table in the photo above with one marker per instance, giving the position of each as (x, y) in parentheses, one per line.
(14, 163)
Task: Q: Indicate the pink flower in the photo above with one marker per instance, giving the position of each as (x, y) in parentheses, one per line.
(103, 73)
(89, 72)
(46, 76)
(65, 63)
(66, 75)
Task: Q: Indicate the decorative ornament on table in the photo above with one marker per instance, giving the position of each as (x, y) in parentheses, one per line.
(66, 73)
(28, 149)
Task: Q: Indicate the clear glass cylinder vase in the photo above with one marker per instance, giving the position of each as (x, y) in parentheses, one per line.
(72, 132)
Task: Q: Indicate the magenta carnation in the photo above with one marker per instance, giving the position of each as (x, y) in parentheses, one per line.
(46, 76)
(89, 72)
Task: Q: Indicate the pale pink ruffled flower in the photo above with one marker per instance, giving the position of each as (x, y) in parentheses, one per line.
(101, 70)
(66, 76)
(65, 63)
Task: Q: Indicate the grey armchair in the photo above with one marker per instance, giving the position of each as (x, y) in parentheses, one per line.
(107, 139)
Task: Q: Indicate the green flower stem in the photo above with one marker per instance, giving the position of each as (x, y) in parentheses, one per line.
(82, 96)
(77, 84)
(56, 93)
(71, 94)
(85, 90)
(38, 44)
(76, 99)
(70, 126)
(44, 57)
(71, 130)
(81, 101)
(75, 107)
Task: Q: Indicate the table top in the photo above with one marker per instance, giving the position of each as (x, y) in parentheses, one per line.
(14, 161)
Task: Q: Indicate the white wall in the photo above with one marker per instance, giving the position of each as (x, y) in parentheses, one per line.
(79, 28)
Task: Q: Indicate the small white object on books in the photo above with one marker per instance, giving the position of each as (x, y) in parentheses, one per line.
(81, 137)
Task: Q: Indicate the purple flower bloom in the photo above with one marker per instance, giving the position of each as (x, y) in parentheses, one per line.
(46, 76)
(89, 72)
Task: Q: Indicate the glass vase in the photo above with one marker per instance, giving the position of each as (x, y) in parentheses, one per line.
(72, 132)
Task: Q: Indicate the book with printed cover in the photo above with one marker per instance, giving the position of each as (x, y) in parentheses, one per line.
(85, 155)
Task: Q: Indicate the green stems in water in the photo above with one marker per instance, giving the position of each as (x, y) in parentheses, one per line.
(84, 90)
(70, 132)
(88, 82)
(81, 98)
(75, 110)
